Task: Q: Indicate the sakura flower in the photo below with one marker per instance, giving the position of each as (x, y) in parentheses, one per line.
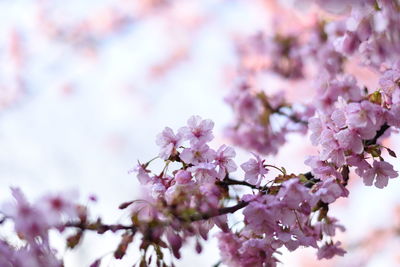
(198, 131)
(330, 190)
(29, 221)
(212, 195)
(315, 127)
(254, 170)
(359, 162)
(360, 115)
(246, 105)
(142, 173)
(197, 154)
(255, 252)
(224, 161)
(204, 172)
(229, 244)
(331, 148)
(259, 217)
(183, 177)
(393, 116)
(380, 172)
(329, 226)
(320, 169)
(346, 87)
(339, 118)
(348, 43)
(36, 255)
(350, 140)
(293, 193)
(168, 142)
(57, 206)
(329, 250)
(158, 189)
(286, 216)
(390, 83)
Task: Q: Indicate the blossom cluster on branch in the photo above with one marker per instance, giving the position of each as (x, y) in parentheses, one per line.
(196, 188)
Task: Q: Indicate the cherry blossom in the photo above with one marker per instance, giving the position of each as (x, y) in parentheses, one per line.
(168, 142)
(198, 131)
(254, 170)
(380, 172)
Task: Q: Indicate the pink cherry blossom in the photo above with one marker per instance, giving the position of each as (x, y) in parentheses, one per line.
(331, 148)
(29, 221)
(169, 142)
(293, 193)
(254, 170)
(359, 162)
(315, 126)
(330, 250)
(183, 177)
(198, 153)
(224, 161)
(380, 172)
(363, 114)
(330, 190)
(229, 245)
(393, 115)
(321, 169)
(330, 225)
(198, 131)
(142, 173)
(58, 206)
(204, 172)
(350, 140)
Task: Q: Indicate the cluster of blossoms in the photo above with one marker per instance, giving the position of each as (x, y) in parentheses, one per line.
(369, 34)
(188, 197)
(347, 131)
(346, 120)
(193, 191)
(282, 216)
(350, 120)
(371, 30)
(278, 212)
(32, 223)
(262, 122)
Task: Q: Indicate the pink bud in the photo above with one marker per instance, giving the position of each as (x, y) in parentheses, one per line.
(199, 248)
(175, 241)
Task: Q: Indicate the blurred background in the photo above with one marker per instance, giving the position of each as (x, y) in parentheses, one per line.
(85, 86)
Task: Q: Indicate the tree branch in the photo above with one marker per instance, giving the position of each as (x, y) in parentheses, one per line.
(379, 133)
(101, 228)
(222, 211)
(229, 181)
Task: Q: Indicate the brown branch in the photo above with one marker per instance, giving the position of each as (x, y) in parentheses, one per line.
(222, 211)
(229, 181)
(291, 117)
(101, 228)
(379, 133)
